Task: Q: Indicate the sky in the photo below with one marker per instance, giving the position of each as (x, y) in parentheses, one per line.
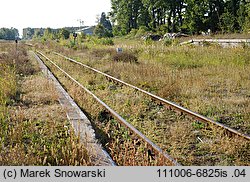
(50, 13)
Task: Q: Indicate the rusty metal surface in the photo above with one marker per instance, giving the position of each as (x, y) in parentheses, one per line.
(79, 121)
(157, 149)
(170, 104)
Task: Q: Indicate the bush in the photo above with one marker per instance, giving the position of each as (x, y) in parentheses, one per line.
(133, 32)
(167, 42)
(100, 53)
(71, 44)
(101, 31)
(141, 32)
(125, 57)
(119, 31)
(106, 41)
(18, 60)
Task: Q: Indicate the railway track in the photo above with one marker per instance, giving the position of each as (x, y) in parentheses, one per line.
(78, 120)
(236, 137)
(170, 105)
(152, 149)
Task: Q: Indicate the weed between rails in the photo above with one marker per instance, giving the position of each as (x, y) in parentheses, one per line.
(124, 148)
(189, 142)
(197, 78)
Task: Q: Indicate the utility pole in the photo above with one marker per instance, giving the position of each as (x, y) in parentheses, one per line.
(16, 41)
(81, 22)
(74, 35)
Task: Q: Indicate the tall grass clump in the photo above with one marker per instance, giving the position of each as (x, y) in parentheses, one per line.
(125, 57)
(8, 88)
(33, 127)
(8, 80)
(8, 84)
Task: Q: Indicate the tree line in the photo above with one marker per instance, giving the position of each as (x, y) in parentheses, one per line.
(46, 33)
(188, 16)
(9, 33)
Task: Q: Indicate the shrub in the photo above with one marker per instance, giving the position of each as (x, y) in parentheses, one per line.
(167, 42)
(106, 41)
(125, 57)
(101, 31)
(133, 32)
(72, 44)
(65, 34)
(100, 53)
(141, 32)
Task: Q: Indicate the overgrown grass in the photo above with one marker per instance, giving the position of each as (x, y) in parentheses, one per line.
(33, 127)
(114, 137)
(195, 77)
(189, 142)
(210, 80)
(8, 81)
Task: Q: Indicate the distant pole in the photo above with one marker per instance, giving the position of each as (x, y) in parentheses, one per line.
(81, 22)
(16, 41)
(74, 35)
(16, 53)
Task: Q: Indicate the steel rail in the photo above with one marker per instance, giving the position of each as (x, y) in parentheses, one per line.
(171, 105)
(118, 117)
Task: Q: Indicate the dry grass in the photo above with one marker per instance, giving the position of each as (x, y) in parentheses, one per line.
(197, 87)
(197, 78)
(34, 129)
(39, 90)
(109, 132)
(125, 57)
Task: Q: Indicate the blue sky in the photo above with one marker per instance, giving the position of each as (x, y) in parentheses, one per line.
(50, 13)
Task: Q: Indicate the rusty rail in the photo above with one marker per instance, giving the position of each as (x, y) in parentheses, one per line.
(118, 117)
(170, 105)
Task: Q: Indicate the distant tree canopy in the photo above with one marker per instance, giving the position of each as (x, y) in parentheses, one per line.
(63, 33)
(189, 16)
(48, 33)
(9, 33)
(104, 27)
(105, 22)
(53, 34)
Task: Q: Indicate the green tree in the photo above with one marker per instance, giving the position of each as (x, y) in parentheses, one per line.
(64, 33)
(38, 33)
(243, 17)
(246, 24)
(104, 21)
(126, 15)
(175, 14)
(155, 10)
(48, 34)
(191, 16)
(104, 27)
(231, 8)
(9, 33)
(195, 16)
(227, 22)
(101, 31)
(215, 11)
(28, 33)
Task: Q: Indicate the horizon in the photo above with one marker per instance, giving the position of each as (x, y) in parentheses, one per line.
(51, 14)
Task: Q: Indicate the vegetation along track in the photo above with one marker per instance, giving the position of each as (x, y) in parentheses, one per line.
(169, 104)
(151, 145)
(197, 145)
